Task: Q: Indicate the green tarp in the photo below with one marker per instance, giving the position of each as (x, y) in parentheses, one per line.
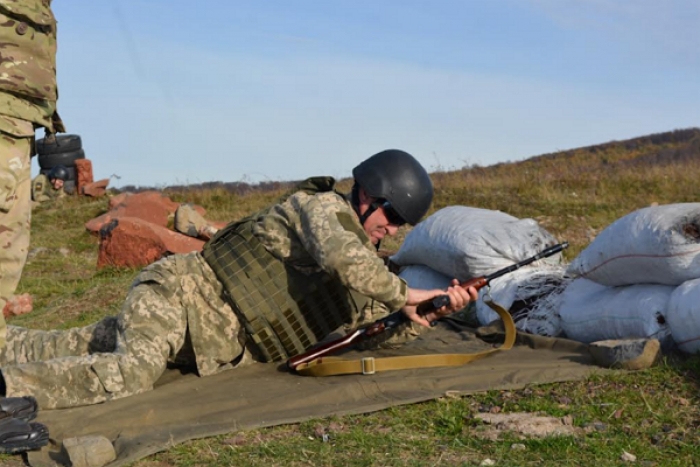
(185, 407)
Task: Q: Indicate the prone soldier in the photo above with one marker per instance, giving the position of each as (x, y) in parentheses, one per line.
(50, 186)
(264, 288)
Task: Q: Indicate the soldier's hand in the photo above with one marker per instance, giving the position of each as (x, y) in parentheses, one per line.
(459, 298)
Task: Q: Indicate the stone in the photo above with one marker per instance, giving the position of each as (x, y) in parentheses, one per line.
(626, 354)
(188, 221)
(134, 232)
(133, 243)
(115, 201)
(150, 206)
(83, 174)
(95, 189)
(89, 451)
(527, 424)
(18, 305)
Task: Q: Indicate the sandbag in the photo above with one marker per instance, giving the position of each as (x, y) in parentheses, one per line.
(683, 316)
(523, 292)
(593, 312)
(418, 276)
(658, 245)
(464, 242)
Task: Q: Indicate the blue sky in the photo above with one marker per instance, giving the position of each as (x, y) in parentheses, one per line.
(168, 91)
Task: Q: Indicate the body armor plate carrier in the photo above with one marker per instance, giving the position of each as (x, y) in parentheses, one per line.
(284, 311)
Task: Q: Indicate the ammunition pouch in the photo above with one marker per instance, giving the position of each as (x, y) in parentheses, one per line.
(284, 311)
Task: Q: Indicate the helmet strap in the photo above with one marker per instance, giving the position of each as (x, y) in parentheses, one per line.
(355, 201)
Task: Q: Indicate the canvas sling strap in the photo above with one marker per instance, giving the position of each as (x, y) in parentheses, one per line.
(330, 366)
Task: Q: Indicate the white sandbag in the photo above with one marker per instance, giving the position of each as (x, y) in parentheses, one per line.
(522, 292)
(684, 316)
(464, 242)
(418, 276)
(592, 312)
(658, 245)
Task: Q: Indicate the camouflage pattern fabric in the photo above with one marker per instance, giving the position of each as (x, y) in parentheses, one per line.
(42, 190)
(27, 100)
(316, 231)
(28, 65)
(175, 313)
(125, 356)
(398, 336)
(321, 231)
(15, 214)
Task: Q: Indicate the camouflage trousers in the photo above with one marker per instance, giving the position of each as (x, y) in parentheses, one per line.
(15, 214)
(125, 355)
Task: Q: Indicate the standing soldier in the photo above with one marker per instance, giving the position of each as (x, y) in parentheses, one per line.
(28, 97)
(264, 288)
(27, 101)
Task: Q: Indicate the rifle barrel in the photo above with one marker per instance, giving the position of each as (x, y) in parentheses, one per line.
(552, 250)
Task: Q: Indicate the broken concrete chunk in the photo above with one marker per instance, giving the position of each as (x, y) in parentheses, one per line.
(627, 354)
(89, 451)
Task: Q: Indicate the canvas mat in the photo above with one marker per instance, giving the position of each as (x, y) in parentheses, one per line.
(185, 407)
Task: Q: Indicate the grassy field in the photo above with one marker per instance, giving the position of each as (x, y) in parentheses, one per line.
(653, 415)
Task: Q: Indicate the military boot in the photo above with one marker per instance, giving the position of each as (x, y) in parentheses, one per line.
(17, 434)
(22, 408)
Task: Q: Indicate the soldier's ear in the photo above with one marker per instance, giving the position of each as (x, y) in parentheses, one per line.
(364, 197)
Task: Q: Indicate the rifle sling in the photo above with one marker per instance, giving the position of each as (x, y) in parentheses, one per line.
(330, 366)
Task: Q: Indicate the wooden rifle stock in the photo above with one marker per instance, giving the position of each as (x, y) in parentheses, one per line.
(444, 300)
(398, 317)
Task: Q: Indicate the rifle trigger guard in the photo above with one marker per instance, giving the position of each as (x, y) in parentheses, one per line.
(368, 367)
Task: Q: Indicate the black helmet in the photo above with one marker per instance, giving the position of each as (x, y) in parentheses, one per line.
(59, 172)
(396, 176)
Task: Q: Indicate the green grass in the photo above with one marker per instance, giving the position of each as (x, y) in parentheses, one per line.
(652, 414)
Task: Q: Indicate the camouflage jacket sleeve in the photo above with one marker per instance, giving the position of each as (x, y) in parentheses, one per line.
(333, 236)
(28, 89)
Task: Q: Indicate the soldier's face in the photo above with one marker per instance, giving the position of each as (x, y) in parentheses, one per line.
(56, 183)
(377, 225)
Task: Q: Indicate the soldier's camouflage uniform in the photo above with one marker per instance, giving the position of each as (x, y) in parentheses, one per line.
(43, 190)
(27, 101)
(175, 312)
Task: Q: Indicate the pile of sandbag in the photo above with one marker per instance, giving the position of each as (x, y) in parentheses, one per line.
(464, 243)
(639, 278)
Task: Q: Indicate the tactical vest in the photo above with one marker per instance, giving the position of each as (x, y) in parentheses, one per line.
(284, 311)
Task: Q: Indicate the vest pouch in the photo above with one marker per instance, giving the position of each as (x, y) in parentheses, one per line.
(30, 41)
(284, 311)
